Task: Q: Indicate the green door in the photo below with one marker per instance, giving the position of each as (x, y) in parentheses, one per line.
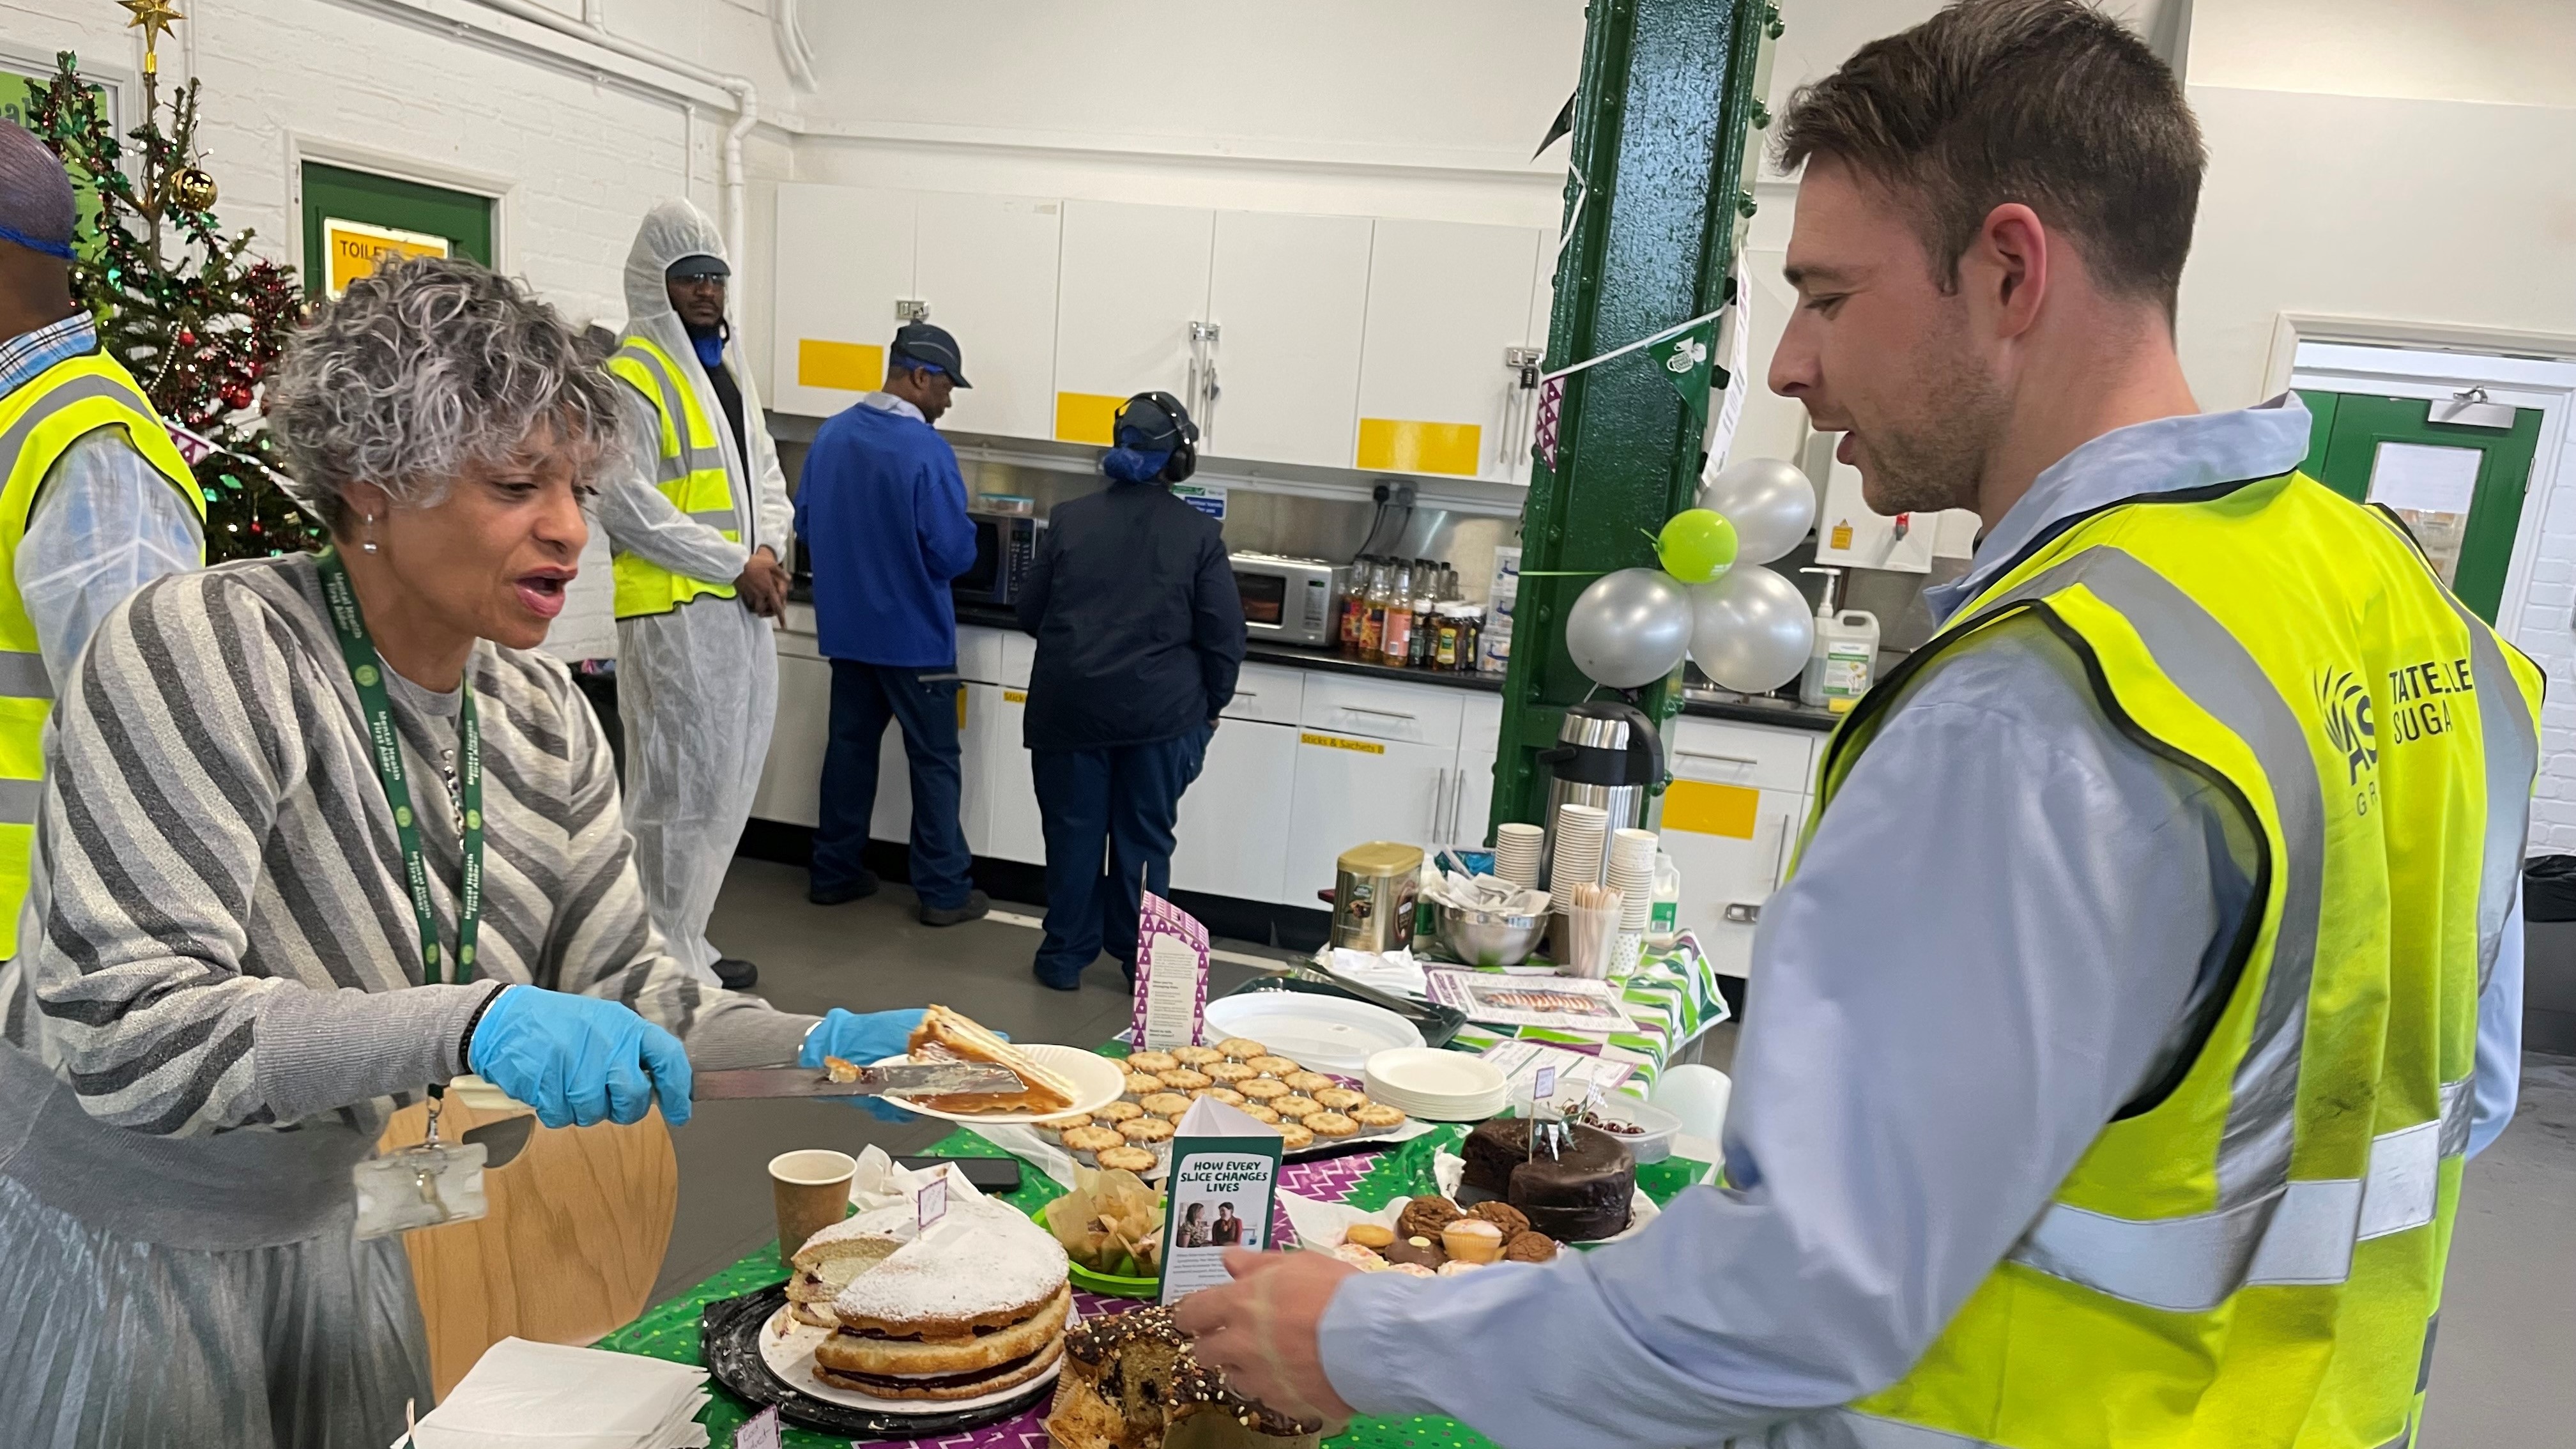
(2459, 488)
(400, 208)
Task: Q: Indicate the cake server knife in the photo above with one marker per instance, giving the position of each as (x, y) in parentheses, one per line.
(926, 1081)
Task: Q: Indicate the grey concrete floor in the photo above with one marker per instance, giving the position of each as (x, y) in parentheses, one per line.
(2501, 1369)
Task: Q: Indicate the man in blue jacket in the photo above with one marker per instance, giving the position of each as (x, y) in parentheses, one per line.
(882, 511)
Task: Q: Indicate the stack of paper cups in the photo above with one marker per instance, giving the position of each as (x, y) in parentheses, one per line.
(1581, 833)
(1516, 851)
(1632, 875)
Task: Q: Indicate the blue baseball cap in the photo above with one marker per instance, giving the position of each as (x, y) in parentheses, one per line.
(929, 346)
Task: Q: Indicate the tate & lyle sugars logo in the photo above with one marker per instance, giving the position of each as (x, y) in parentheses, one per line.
(2349, 727)
(2421, 694)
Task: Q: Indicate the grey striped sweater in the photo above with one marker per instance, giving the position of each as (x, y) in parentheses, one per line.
(218, 934)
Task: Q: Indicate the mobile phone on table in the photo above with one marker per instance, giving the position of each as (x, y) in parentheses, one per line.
(984, 1174)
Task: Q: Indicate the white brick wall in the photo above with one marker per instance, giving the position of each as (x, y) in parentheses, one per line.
(582, 157)
(2546, 630)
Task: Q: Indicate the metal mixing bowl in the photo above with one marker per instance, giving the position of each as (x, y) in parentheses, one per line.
(1490, 938)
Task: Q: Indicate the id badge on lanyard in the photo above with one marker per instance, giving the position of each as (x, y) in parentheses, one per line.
(432, 1183)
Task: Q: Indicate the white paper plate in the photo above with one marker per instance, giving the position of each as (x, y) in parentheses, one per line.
(1323, 1033)
(790, 1355)
(1441, 1085)
(1097, 1082)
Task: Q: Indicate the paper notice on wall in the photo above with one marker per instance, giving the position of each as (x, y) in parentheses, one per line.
(2421, 478)
(1207, 498)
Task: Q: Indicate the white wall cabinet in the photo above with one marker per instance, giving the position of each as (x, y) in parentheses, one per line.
(1131, 281)
(1444, 300)
(845, 256)
(1289, 297)
(986, 268)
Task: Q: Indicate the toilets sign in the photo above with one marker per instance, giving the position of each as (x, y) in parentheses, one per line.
(354, 249)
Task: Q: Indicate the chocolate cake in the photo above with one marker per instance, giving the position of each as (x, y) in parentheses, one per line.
(1130, 1383)
(1580, 1195)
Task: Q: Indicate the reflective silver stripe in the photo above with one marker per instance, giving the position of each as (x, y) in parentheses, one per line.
(2206, 662)
(78, 390)
(2459, 1109)
(23, 675)
(2512, 749)
(1851, 1429)
(723, 520)
(19, 799)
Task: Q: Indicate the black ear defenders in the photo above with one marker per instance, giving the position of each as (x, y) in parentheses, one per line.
(1153, 421)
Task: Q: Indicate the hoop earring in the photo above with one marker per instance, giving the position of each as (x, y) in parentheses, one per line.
(368, 545)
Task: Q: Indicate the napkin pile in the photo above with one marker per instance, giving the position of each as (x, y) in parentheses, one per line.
(522, 1395)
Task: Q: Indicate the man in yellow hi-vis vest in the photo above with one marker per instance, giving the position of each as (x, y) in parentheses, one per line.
(97, 501)
(2145, 977)
(699, 533)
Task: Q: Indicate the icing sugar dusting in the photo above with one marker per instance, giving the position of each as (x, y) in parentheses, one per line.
(998, 1260)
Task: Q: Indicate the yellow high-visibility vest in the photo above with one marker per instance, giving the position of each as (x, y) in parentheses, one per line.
(38, 423)
(689, 468)
(2251, 1253)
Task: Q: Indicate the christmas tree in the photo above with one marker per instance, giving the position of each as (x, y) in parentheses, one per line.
(196, 318)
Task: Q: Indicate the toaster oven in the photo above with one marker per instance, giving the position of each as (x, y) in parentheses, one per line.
(1287, 600)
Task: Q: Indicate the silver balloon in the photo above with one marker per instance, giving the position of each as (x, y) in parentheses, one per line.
(1750, 629)
(1630, 628)
(1771, 504)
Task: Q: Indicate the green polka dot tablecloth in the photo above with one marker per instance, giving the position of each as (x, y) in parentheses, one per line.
(669, 1330)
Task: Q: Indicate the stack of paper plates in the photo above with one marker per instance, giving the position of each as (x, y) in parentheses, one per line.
(1436, 1085)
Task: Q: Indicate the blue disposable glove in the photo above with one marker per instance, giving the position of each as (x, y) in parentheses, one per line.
(579, 1059)
(862, 1039)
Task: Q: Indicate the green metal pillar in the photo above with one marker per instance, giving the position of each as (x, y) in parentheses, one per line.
(1666, 122)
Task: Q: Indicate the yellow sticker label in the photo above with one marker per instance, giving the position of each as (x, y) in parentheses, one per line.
(353, 249)
(1398, 446)
(1085, 417)
(1015, 696)
(1705, 809)
(1842, 535)
(842, 366)
(1336, 742)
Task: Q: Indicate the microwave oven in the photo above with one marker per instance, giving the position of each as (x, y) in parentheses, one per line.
(1006, 544)
(1287, 600)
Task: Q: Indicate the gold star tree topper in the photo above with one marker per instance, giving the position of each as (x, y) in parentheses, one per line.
(154, 16)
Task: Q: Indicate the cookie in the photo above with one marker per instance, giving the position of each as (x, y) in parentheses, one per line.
(1117, 1112)
(1260, 1113)
(1147, 1129)
(1310, 1082)
(1165, 1104)
(1340, 1099)
(1196, 1056)
(1329, 1124)
(1530, 1247)
(1151, 1061)
(1370, 1235)
(1376, 1114)
(1182, 1079)
(1415, 1270)
(1062, 1125)
(1297, 1138)
(1426, 1215)
(1242, 1048)
(1264, 1089)
(1503, 1215)
(1270, 1066)
(1139, 1083)
(1351, 1253)
(1133, 1159)
(1227, 1095)
(1293, 1106)
(1093, 1139)
(1229, 1072)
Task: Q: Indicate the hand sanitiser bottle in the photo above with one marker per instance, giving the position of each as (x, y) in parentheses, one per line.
(1845, 654)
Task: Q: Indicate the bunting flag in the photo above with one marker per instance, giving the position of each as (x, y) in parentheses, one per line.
(1551, 394)
(1686, 364)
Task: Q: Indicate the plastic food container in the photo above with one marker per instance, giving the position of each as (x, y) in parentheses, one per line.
(1654, 1143)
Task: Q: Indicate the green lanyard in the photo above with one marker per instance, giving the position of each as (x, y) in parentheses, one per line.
(366, 671)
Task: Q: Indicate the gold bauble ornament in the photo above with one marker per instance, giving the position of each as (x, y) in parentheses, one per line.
(193, 188)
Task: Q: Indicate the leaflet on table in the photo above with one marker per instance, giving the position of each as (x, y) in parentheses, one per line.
(1225, 1169)
(1527, 1065)
(1565, 1003)
(1171, 976)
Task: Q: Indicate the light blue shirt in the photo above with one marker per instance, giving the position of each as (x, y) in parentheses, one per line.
(1923, 1061)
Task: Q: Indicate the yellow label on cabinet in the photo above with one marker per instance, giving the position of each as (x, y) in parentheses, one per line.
(1842, 535)
(1085, 417)
(1405, 447)
(1336, 742)
(1015, 696)
(1705, 809)
(843, 366)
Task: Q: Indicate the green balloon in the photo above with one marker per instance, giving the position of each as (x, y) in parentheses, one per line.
(1697, 545)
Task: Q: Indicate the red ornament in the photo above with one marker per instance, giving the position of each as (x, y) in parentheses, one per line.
(187, 338)
(236, 395)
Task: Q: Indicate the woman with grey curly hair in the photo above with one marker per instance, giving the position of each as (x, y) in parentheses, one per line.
(321, 834)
